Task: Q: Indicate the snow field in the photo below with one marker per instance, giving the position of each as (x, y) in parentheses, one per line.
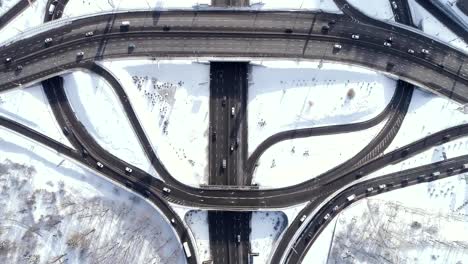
(84, 7)
(53, 208)
(294, 161)
(197, 221)
(378, 9)
(266, 228)
(29, 106)
(31, 17)
(427, 114)
(7, 5)
(324, 5)
(98, 108)
(171, 100)
(285, 95)
(430, 25)
(318, 252)
(452, 149)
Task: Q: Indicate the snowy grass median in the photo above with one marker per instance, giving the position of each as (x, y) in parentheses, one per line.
(171, 100)
(285, 95)
(29, 106)
(98, 108)
(54, 210)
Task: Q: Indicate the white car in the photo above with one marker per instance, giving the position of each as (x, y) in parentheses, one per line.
(387, 44)
(337, 46)
(8, 60)
(48, 40)
(327, 216)
(425, 51)
(99, 164)
(382, 186)
(394, 5)
(129, 170)
(125, 23)
(355, 36)
(370, 189)
(166, 190)
(410, 51)
(80, 54)
(233, 111)
(89, 33)
(303, 218)
(173, 221)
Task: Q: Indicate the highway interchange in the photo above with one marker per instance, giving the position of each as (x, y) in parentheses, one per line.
(244, 34)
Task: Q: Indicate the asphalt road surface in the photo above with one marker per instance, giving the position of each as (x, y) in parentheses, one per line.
(240, 33)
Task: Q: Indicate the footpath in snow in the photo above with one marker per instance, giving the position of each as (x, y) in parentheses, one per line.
(29, 106)
(54, 209)
(171, 100)
(98, 108)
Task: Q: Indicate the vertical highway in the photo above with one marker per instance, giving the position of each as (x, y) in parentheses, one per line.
(229, 231)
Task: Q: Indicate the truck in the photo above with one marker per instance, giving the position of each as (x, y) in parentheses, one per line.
(224, 164)
(187, 250)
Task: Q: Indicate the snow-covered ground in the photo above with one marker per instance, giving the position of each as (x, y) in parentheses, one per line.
(197, 221)
(318, 252)
(266, 228)
(6, 5)
(84, 7)
(378, 9)
(29, 106)
(53, 209)
(324, 5)
(285, 95)
(31, 17)
(452, 149)
(427, 114)
(451, 4)
(425, 223)
(171, 100)
(97, 106)
(294, 161)
(430, 25)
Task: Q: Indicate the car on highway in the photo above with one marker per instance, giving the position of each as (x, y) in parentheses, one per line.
(450, 170)
(125, 23)
(8, 60)
(224, 164)
(355, 36)
(213, 136)
(223, 101)
(325, 29)
(425, 51)
(51, 8)
(100, 165)
(166, 190)
(435, 174)
(326, 217)
(336, 208)
(89, 34)
(79, 54)
(238, 239)
(233, 111)
(232, 147)
(48, 40)
(288, 31)
(19, 68)
(387, 44)
(370, 189)
(382, 186)
(351, 197)
(303, 218)
(410, 51)
(337, 46)
(65, 131)
(173, 222)
(394, 5)
(128, 169)
(166, 28)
